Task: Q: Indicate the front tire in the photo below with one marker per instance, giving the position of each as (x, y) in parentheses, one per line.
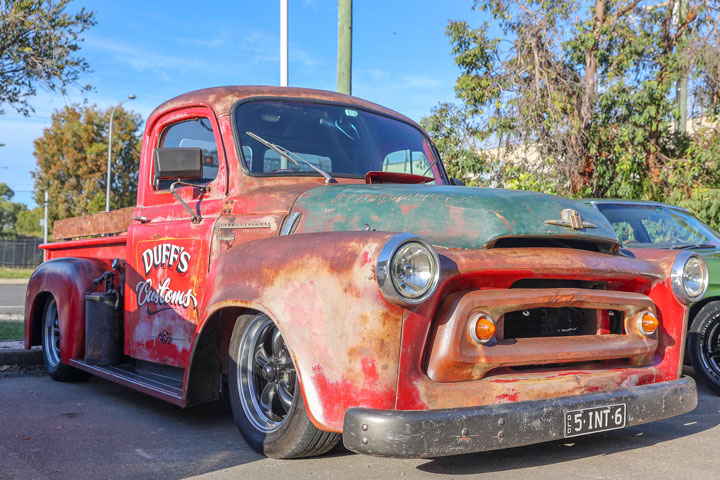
(704, 345)
(51, 347)
(265, 396)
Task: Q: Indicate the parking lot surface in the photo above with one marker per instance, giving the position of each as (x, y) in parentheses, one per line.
(96, 429)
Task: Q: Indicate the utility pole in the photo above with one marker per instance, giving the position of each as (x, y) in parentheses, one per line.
(283, 43)
(679, 18)
(45, 218)
(344, 64)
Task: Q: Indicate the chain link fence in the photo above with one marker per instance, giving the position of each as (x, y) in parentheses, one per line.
(20, 252)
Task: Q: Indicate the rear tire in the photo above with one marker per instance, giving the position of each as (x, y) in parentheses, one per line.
(51, 347)
(265, 396)
(704, 345)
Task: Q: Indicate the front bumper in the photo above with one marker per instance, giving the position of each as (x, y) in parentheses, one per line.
(435, 433)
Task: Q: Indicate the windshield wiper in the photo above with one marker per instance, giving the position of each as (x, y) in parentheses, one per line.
(288, 155)
(692, 245)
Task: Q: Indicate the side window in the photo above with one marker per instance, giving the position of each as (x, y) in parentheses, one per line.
(197, 132)
(624, 232)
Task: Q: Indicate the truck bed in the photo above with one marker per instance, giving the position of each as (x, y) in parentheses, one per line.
(80, 236)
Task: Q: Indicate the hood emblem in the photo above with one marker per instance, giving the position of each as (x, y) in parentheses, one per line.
(571, 219)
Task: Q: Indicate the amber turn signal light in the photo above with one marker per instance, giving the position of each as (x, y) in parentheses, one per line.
(648, 323)
(482, 328)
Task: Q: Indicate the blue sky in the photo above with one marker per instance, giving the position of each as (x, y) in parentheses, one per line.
(159, 49)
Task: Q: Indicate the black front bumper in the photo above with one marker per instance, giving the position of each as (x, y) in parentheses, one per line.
(434, 433)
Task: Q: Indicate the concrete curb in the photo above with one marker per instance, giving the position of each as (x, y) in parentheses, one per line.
(12, 352)
(14, 281)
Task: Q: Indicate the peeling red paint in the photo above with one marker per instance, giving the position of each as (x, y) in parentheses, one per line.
(507, 397)
(366, 259)
(338, 396)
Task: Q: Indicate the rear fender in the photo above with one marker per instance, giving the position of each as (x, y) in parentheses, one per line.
(67, 279)
(320, 290)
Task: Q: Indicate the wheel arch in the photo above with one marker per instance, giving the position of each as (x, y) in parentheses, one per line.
(208, 357)
(696, 307)
(321, 292)
(67, 280)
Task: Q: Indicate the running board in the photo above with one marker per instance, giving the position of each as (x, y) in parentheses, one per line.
(168, 390)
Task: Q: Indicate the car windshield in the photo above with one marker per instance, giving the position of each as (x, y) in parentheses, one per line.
(656, 226)
(340, 140)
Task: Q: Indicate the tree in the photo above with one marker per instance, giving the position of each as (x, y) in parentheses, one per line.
(28, 222)
(9, 210)
(39, 42)
(455, 135)
(589, 87)
(71, 158)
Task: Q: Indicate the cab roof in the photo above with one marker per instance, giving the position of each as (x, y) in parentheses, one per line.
(222, 99)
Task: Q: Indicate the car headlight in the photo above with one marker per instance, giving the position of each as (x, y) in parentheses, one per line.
(408, 270)
(689, 277)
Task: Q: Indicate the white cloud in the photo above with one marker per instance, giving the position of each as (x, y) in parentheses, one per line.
(218, 41)
(142, 59)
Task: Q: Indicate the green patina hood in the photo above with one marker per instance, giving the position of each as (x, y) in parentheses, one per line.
(448, 216)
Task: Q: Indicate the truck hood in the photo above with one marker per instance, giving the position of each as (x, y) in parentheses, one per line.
(448, 216)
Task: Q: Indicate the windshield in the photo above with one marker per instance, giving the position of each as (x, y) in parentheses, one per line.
(655, 226)
(340, 140)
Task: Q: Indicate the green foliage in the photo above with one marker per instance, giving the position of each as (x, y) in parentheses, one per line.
(455, 137)
(589, 88)
(39, 42)
(9, 210)
(28, 222)
(72, 161)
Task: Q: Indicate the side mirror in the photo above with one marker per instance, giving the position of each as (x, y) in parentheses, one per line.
(455, 181)
(178, 164)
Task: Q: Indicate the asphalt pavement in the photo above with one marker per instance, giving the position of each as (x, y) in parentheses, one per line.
(12, 300)
(97, 429)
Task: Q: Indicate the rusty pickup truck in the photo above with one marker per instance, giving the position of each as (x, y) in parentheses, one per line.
(305, 253)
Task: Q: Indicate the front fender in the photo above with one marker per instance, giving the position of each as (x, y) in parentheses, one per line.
(67, 279)
(320, 290)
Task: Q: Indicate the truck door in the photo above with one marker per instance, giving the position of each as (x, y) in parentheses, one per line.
(167, 250)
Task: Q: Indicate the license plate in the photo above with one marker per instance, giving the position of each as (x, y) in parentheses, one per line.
(595, 419)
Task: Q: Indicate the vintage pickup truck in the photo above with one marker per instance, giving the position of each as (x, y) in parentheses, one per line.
(306, 252)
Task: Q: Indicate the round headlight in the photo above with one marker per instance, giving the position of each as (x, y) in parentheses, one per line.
(694, 277)
(689, 277)
(408, 269)
(412, 270)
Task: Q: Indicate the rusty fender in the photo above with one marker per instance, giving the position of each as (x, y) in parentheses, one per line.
(67, 279)
(321, 291)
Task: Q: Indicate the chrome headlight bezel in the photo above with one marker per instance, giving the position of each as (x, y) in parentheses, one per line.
(384, 271)
(678, 277)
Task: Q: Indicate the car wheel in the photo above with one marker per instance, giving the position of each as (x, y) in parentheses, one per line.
(265, 396)
(51, 347)
(704, 345)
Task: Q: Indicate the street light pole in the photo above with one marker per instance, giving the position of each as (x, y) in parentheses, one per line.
(283, 43)
(112, 114)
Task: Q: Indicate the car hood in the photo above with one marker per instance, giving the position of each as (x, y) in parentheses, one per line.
(448, 216)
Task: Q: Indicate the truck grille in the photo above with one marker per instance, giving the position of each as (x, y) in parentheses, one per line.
(560, 322)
